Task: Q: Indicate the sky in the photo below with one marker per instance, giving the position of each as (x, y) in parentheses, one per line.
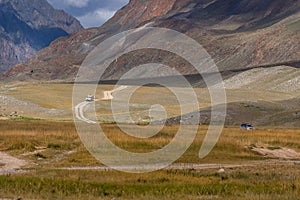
(91, 13)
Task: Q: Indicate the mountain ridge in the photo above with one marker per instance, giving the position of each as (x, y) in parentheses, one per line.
(27, 26)
(237, 34)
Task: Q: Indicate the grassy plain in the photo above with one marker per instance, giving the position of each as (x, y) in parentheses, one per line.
(50, 148)
(54, 101)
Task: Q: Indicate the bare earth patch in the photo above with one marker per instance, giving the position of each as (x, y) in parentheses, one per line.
(281, 153)
(10, 164)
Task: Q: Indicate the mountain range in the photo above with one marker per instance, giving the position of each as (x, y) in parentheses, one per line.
(27, 26)
(239, 35)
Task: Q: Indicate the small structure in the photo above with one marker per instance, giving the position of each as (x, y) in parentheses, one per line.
(90, 98)
(246, 126)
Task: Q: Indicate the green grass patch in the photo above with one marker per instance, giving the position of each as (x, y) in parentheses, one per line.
(25, 119)
(273, 148)
(159, 185)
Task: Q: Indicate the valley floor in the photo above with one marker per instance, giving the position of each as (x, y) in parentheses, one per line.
(262, 106)
(42, 156)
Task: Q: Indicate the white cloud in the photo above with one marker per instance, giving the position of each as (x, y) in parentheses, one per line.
(96, 18)
(77, 3)
(90, 13)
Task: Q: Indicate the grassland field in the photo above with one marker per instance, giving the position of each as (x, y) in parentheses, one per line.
(51, 149)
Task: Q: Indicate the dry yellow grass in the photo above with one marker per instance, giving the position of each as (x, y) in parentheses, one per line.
(267, 181)
(232, 145)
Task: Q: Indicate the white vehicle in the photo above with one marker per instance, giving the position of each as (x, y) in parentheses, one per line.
(89, 98)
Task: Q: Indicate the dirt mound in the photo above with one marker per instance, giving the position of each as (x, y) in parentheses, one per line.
(277, 152)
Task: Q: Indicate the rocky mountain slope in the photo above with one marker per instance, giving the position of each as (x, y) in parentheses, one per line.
(239, 35)
(27, 26)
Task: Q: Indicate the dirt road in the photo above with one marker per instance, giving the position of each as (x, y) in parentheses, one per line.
(79, 112)
(13, 165)
(79, 109)
(108, 95)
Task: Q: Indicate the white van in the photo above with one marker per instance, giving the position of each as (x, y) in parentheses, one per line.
(89, 98)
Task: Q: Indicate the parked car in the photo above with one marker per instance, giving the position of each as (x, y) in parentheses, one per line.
(246, 126)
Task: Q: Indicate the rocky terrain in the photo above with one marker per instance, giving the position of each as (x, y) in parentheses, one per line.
(238, 35)
(27, 26)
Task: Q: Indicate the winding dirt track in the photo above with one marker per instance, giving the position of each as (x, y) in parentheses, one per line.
(79, 109)
(79, 112)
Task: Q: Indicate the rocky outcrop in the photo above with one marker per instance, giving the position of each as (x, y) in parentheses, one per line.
(27, 26)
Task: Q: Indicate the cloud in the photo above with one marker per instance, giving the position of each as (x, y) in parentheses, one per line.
(96, 18)
(77, 3)
(90, 13)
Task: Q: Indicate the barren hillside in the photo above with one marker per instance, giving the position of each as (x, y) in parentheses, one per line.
(237, 34)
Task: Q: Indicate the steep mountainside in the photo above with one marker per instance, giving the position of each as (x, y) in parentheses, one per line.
(238, 35)
(27, 26)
